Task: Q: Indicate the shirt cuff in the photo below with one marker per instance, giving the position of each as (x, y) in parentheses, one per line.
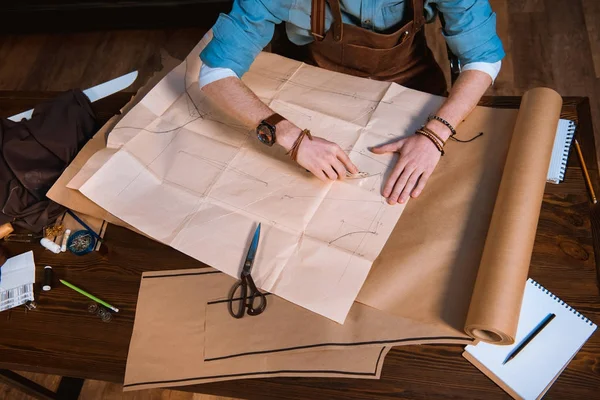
(209, 74)
(492, 69)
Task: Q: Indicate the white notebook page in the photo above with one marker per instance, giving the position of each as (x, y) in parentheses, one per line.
(534, 368)
(560, 150)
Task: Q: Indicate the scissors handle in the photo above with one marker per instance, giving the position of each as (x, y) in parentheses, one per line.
(246, 301)
(241, 300)
(261, 306)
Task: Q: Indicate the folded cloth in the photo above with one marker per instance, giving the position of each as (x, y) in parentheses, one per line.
(34, 154)
(3, 255)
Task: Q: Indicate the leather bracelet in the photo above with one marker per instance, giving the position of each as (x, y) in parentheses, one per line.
(293, 153)
(438, 137)
(429, 136)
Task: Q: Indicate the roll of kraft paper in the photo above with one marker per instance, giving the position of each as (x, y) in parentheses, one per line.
(496, 302)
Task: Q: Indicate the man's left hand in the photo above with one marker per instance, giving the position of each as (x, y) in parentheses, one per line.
(418, 158)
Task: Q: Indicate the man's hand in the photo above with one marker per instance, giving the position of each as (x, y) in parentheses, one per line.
(326, 160)
(418, 158)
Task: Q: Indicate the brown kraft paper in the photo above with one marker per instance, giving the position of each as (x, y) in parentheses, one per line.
(168, 341)
(287, 327)
(485, 194)
(499, 287)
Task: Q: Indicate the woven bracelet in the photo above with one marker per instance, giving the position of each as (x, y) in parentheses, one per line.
(293, 153)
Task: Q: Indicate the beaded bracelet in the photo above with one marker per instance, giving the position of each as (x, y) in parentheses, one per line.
(433, 139)
(443, 121)
(438, 137)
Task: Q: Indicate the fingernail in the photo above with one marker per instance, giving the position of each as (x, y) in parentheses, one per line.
(416, 193)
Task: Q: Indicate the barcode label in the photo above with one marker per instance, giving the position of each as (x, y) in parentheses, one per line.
(15, 297)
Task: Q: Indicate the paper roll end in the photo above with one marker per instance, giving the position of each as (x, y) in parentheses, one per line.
(490, 336)
(550, 97)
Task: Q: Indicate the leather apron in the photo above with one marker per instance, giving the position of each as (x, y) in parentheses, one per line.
(401, 56)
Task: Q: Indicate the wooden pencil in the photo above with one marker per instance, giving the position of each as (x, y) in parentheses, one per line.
(586, 174)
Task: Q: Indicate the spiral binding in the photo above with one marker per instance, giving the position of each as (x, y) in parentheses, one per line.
(565, 154)
(562, 303)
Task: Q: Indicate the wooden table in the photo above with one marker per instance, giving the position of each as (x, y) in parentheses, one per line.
(61, 337)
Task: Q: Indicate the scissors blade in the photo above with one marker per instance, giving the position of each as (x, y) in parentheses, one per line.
(252, 251)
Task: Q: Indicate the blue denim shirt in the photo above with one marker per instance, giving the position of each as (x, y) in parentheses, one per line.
(238, 37)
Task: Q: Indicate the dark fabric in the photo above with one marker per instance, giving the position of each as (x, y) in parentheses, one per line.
(3, 255)
(34, 154)
(401, 56)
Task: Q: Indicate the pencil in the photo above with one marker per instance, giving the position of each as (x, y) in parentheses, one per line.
(529, 338)
(586, 174)
(90, 296)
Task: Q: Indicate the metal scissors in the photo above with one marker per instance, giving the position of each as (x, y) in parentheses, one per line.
(246, 300)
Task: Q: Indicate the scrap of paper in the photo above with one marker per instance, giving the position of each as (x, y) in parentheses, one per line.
(17, 277)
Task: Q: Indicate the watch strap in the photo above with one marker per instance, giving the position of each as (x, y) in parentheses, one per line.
(274, 119)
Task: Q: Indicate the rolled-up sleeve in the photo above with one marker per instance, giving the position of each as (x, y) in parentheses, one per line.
(469, 27)
(239, 36)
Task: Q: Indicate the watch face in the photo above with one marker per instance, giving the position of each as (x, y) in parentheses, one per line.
(265, 135)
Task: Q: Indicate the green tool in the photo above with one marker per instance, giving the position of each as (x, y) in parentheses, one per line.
(86, 294)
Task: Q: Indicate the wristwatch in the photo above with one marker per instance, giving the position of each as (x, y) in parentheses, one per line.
(265, 131)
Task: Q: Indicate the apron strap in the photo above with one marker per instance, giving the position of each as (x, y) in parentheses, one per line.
(317, 19)
(337, 19)
(418, 8)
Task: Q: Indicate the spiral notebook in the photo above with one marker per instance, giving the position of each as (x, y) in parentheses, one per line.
(531, 373)
(560, 152)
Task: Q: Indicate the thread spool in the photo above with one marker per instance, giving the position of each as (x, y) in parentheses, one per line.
(63, 248)
(50, 245)
(47, 278)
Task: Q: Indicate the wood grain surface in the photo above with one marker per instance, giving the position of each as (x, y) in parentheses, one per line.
(62, 338)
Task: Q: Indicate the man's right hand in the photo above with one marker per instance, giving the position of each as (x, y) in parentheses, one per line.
(326, 160)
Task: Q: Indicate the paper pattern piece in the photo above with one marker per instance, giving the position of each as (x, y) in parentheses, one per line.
(189, 177)
(170, 320)
(290, 328)
(17, 277)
